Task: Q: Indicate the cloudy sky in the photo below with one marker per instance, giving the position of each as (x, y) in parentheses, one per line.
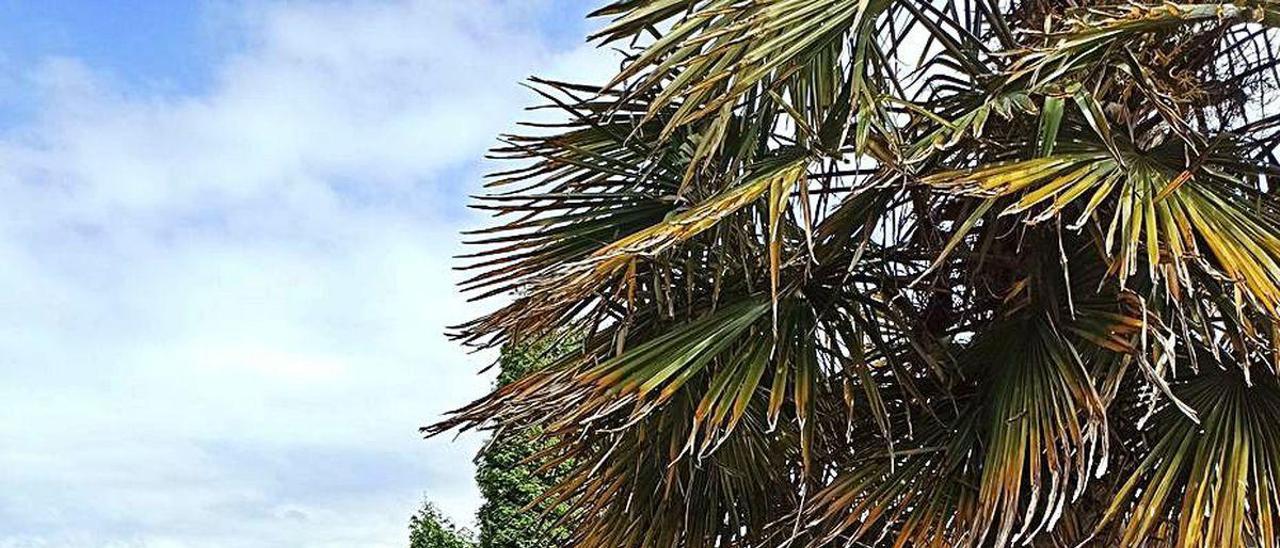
(225, 231)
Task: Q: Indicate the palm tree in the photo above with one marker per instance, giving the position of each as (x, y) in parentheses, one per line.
(897, 273)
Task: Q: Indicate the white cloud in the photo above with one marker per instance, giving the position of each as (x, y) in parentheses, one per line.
(221, 314)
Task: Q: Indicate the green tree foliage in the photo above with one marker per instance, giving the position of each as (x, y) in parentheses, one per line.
(429, 528)
(901, 273)
(512, 478)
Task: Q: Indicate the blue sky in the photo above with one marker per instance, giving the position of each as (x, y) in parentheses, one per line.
(226, 235)
(153, 46)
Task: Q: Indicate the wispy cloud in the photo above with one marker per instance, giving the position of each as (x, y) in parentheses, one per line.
(221, 313)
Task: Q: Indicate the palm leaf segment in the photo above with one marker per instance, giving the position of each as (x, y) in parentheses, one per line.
(892, 273)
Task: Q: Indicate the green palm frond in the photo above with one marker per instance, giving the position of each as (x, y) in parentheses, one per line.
(1216, 483)
(1159, 217)
(1025, 437)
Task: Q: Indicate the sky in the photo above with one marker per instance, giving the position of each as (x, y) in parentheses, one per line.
(225, 273)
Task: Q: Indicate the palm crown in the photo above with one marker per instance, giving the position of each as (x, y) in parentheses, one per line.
(888, 273)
